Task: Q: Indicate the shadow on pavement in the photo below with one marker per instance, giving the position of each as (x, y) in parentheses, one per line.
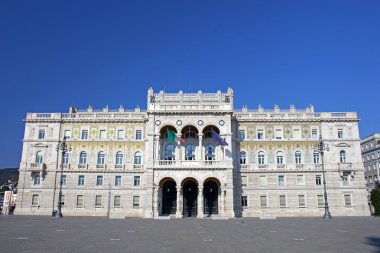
(375, 242)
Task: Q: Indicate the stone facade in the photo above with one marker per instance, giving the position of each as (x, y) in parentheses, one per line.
(371, 158)
(125, 164)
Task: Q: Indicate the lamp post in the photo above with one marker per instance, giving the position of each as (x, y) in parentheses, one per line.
(64, 149)
(321, 148)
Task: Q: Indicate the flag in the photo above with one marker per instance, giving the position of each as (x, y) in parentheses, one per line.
(172, 136)
(218, 139)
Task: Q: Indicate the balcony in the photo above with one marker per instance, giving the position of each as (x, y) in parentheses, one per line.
(37, 167)
(281, 167)
(345, 169)
(100, 166)
(189, 164)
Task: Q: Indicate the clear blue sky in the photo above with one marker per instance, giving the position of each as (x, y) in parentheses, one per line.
(54, 54)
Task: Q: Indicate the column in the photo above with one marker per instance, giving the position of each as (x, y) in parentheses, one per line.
(222, 202)
(200, 157)
(178, 213)
(200, 203)
(158, 201)
(157, 148)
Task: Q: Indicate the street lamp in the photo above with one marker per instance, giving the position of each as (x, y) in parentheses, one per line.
(64, 149)
(322, 146)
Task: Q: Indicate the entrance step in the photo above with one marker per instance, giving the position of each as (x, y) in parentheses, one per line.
(162, 217)
(219, 218)
(267, 216)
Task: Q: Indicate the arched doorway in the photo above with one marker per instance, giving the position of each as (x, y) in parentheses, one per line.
(190, 195)
(169, 197)
(210, 195)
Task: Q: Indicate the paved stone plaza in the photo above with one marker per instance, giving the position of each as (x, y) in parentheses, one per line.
(79, 234)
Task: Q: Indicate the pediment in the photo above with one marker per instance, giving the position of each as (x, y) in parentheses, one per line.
(40, 145)
(342, 145)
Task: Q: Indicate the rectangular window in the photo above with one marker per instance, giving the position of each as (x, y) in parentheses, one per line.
(84, 135)
(282, 201)
(347, 200)
(80, 201)
(67, 135)
(314, 134)
(136, 202)
(260, 134)
(120, 134)
(81, 180)
(301, 201)
(35, 199)
(64, 180)
(41, 134)
(345, 178)
(99, 180)
(318, 179)
(117, 201)
(281, 180)
(263, 181)
(300, 180)
(340, 133)
(241, 135)
(98, 200)
(320, 200)
(278, 133)
(244, 201)
(36, 179)
(102, 134)
(117, 180)
(263, 201)
(136, 181)
(244, 180)
(138, 134)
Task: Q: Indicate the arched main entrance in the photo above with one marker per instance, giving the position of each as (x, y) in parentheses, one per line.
(169, 197)
(210, 194)
(190, 195)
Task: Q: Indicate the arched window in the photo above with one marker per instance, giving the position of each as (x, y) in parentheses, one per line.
(261, 157)
(316, 157)
(243, 157)
(210, 152)
(207, 135)
(190, 134)
(101, 157)
(280, 157)
(39, 157)
(190, 152)
(138, 158)
(298, 158)
(342, 156)
(66, 158)
(119, 158)
(82, 157)
(170, 152)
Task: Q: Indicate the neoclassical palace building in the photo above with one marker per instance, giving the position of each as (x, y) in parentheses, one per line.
(191, 155)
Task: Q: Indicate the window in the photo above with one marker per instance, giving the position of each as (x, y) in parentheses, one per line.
(136, 202)
(282, 201)
(340, 133)
(35, 198)
(117, 180)
(190, 152)
(345, 178)
(170, 152)
(39, 157)
(64, 180)
(241, 135)
(298, 157)
(65, 159)
(281, 180)
(82, 157)
(300, 180)
(316, 157)
(98, 200)
(347, 200)
(314, 134)
(244, 181)
(210, 152)
(99, 180)
(280, 157)
(136, 181)
(138, 134)
(370, 179)
(263, 181)
(119, 158)
(102, 134)
(81, 180)
(320, 200)
(261, 157)
(244, 201)
(318, 179)
(137, 158)
(301, 201)
(342, 156)
(263, 201)
(84, 135)
(80, 201)
(117, 201)
(36, 179)
(243, 156)
(41, 134)
(120, 134)
(260, 134)
(278, 133)
(101, 158)
(67, 135)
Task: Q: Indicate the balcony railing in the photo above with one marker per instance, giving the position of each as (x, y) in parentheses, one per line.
(187, 164)
(274, 167)
(37, 167)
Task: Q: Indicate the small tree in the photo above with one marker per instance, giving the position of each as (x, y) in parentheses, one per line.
(375, 201)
